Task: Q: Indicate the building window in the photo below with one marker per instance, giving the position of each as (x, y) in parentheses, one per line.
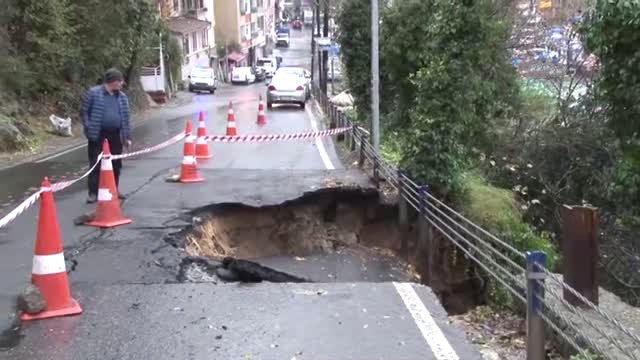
(205, 39)
(176, 5)
(201, 4)
(185, 44)
(194, 39)
(254, 29)
(261, 23)
(244, 6)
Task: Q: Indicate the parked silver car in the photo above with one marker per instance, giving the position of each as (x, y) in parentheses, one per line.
(286, 89)
(301, 73)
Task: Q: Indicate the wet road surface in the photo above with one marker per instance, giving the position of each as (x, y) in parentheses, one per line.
(120, 275)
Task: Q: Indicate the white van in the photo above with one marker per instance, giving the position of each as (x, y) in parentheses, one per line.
(268, 64)
(203, 79)
(243, 74)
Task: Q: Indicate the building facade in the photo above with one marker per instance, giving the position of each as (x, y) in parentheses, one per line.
(192, 22)
(247, 24)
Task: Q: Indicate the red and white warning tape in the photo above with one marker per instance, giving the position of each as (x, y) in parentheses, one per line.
(33, 198)
(28, 202)
(276, 137)
(160, 146)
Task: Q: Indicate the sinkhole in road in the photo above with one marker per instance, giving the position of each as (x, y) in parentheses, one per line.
(329, 235)
(325, 227)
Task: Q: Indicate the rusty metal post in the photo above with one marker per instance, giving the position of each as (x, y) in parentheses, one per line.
(403, 216)
(580, 252)
(424, 239)
(363, 140)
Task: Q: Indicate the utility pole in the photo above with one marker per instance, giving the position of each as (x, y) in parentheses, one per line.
(325, 53)
(375, 77)
(313, 43)
(320, 73)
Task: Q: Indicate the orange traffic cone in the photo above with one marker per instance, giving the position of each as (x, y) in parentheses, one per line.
(49, 272)
(202, 148)
(189, 171)
(262, 118)
(231, 122)
(108, 208)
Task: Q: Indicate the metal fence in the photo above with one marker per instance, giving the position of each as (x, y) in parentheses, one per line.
(586, 329)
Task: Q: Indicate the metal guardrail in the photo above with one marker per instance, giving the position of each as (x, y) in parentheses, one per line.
(523, 275)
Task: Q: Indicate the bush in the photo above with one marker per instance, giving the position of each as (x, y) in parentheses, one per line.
(496, 210)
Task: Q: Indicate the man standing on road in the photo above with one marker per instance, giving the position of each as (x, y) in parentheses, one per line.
(105, 115)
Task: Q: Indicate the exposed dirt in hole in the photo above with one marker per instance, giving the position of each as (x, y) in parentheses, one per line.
(320, 222)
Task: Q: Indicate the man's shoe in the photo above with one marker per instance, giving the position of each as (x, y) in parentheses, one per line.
(92, 199)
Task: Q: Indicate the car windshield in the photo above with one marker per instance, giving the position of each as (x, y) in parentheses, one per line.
(201, 72)
(293, 71)
(265, 63)
(282, 79)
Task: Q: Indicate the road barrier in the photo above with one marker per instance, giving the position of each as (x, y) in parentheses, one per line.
(585, 328)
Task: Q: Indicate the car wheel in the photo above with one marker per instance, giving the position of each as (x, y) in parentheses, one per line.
(190, 89)
(212, 91)
(303, 105)
(269, 105)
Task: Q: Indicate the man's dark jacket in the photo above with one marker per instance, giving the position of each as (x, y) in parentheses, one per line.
(93, 111)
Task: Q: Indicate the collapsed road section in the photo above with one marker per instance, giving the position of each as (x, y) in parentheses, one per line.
(265, 305)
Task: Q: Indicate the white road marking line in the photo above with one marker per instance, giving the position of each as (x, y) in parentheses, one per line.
(428, 327)
(51, 157)
(319, 144)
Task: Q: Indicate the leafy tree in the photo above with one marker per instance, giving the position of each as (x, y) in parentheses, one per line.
(449, 73)
(39, 33)
(612, 32)
(354, 19)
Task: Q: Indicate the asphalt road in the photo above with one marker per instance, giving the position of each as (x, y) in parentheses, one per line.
(125, 278)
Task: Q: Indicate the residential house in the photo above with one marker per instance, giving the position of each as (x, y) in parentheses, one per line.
(247, 23)
(193, 23)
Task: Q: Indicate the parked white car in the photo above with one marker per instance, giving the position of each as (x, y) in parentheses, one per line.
(269, 65)
(243, 74)
(203, 79)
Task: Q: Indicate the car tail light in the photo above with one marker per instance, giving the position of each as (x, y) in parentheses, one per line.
(300, 88)
(272, 88)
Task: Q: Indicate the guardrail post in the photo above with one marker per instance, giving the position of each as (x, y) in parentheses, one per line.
(363, 140)
(403, 216)
(332, 112)
(424, 243)
(535, 299)
(580, 252)
(341, 137)
(353, 138)
(376, 171)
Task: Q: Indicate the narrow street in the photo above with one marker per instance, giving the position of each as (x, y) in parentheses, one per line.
(125, 278)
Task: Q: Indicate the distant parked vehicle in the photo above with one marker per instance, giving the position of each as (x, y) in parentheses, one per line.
(260, 73)
(203, 79)
(243, 74)
(303, 74)
(270, 65)
(287, 88)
